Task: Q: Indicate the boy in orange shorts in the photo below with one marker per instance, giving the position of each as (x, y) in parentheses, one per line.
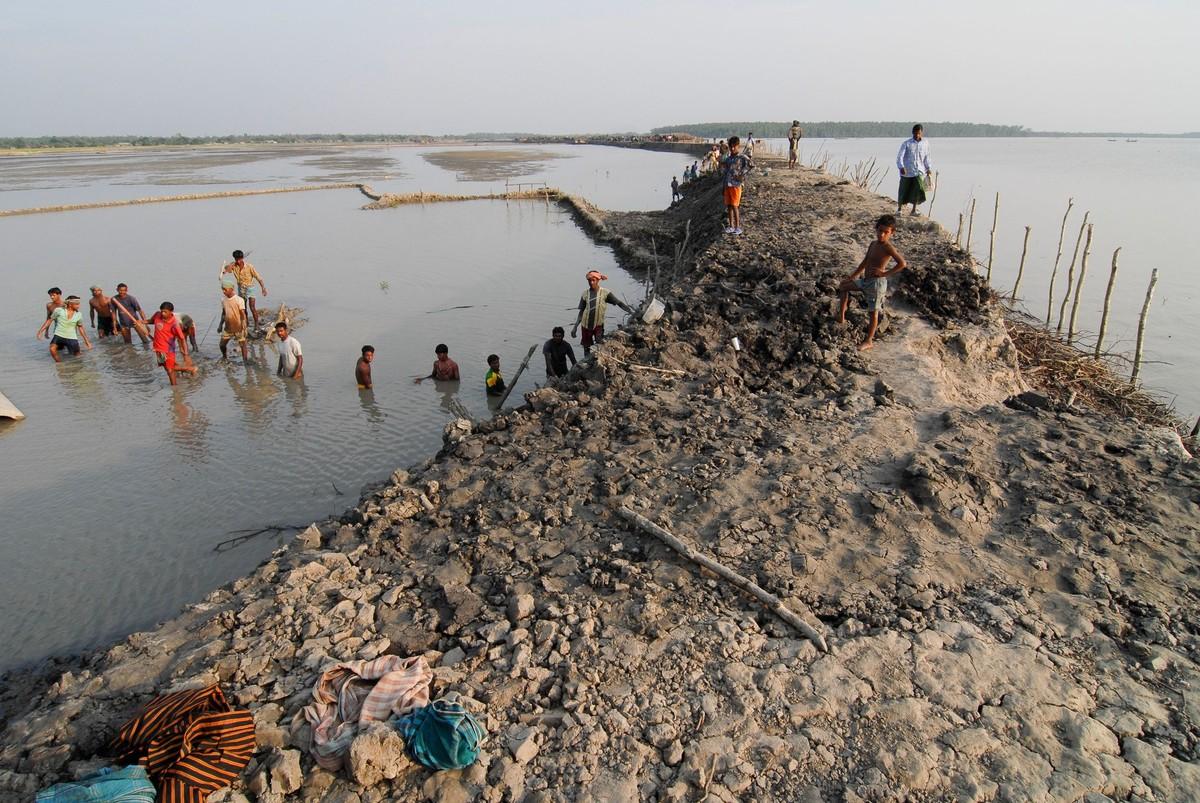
(736, 166)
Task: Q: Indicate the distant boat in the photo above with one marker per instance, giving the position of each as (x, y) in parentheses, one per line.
(1131, 140)
(1110, 139)
(9, 410)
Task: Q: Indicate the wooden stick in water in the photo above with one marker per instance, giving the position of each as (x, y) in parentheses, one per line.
(992, 243)
(958, 234)
(1062, 310)
(971, 225)
(1053, 273)
(1021, 267)
(517, 376)
(1087, 252)
(773, 603)
(1141, 333)
(933, 197)
(1112, 280)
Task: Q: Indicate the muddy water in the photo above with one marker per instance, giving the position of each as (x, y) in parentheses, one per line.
(118, 490)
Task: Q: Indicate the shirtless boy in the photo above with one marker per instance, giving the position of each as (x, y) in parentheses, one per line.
(871, 276)
(55, 301)
(100, 309)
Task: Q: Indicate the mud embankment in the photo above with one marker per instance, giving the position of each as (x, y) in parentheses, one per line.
(199, 196)
(1006, 585)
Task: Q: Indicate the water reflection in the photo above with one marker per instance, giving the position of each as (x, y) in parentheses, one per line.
(189, 426)
(448, 397)
(254, 391)
(375, 413)
(297, 395)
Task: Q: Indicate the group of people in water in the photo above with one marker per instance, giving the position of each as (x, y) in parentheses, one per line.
(169, 334)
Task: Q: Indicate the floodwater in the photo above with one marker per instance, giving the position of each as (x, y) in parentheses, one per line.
(119, 490)
(1141, 196)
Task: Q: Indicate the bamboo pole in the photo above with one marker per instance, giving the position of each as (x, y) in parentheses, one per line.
(1141, 333)
(1087, 252)
(1021, 268)
(773, 603)
(517, 376)
(933, 197)
(1062, 310)
(992, 243)
(958, 234)
(1112, 280)
(971, 225)
(1053, 273)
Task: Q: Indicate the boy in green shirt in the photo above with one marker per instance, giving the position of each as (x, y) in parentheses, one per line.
(68, 329)
(494, 382)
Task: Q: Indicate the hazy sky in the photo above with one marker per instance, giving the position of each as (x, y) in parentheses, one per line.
(126, 66)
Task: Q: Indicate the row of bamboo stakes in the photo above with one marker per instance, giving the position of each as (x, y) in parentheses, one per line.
(1074, 285)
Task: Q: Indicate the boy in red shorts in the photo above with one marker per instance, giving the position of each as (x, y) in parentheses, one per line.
(736, 166)
(168, 332)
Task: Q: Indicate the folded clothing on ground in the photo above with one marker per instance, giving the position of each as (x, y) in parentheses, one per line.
(443, 735)
(191, 742)
(108, 785)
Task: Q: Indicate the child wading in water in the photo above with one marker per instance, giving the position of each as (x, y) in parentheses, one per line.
(871, 276)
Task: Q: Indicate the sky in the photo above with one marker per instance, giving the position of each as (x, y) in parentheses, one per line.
(260, 66)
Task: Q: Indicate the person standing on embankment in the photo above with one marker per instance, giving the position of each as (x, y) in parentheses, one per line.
(915, 170)
(592, 306)
(794, 134)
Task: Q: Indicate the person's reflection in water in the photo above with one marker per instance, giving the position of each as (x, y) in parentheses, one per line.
(297, 393)
(448, 396)
(254, 391)
(375, 413)
(188, 427)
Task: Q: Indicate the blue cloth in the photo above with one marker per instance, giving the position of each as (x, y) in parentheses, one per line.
(442, 735)
(109, 785)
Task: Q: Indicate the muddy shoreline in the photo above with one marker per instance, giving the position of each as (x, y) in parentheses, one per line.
(1006, 585)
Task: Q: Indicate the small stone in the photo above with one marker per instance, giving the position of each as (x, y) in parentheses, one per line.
(522, 743)
(377, 752)
(286, 776)
(309, 538)
(520, 607)
(672, 754)
(454, 655)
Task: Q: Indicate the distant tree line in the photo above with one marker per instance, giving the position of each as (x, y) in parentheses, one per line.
(832, 130)
(874, 129)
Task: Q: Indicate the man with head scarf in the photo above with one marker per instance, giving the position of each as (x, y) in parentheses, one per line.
(592, 306)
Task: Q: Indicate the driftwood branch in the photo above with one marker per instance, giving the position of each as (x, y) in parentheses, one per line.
(772, 602)
(524, 364)
(1112, 280)
(1141, 330)
(1062, 233)
(241, 536)
(1021, 269)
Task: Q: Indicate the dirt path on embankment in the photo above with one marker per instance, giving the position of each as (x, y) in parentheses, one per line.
(1008, 591)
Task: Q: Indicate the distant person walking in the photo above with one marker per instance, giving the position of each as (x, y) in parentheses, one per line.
(246, 276)
(68, 329)
(750, 145)
(915, 170)
(794, 134)
(592, 306)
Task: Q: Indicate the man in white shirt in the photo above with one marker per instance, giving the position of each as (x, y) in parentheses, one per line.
(291, 358)
(915, 171)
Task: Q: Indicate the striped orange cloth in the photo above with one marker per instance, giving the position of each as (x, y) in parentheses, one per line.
(191, 743)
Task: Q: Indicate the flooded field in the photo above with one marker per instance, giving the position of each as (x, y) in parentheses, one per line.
(119, 490)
